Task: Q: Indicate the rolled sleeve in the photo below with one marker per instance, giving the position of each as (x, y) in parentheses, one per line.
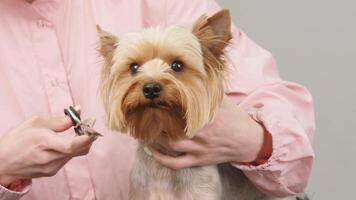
(288, 169)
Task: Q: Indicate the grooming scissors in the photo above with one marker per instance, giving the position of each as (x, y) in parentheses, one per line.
(81, 128)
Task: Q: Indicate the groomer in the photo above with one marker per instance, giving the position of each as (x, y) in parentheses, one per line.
(48, 61)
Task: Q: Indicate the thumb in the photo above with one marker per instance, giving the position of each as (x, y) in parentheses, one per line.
(57, 124)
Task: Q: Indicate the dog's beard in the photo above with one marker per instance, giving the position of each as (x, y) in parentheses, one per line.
(149, 122)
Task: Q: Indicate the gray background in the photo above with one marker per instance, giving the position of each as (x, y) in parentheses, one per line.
(314, 42)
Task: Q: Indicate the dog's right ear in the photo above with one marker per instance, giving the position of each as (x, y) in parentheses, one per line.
(108, 43)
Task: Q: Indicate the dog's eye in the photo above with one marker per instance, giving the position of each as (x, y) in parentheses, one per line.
(177, 66)
(134, 67)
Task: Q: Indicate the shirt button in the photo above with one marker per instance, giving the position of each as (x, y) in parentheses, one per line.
(54, 82)
(43, 24)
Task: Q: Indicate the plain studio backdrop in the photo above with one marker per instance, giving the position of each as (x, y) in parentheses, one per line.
(314, 43)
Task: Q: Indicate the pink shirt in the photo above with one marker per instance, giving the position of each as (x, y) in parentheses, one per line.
(48, 61)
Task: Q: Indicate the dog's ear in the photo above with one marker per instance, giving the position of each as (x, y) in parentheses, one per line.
(108, 43)
(214, 33)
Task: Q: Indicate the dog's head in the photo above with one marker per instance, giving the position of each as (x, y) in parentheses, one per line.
(165, 80)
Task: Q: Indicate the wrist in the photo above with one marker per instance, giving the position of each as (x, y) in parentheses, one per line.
(256, 138)
(252, 143)
(19, 185)
(5, 181)
(266, 149)
(258, 145)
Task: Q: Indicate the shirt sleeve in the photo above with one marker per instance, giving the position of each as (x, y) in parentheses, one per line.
(285, 109)
(15, 191)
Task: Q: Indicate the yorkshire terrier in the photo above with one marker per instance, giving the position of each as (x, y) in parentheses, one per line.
(170, 81)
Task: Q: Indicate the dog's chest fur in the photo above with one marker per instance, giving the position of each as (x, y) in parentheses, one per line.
(152, 181)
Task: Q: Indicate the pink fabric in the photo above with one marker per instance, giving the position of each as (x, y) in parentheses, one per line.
(48, 61)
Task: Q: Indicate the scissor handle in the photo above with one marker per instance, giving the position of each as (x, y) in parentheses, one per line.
(73, 114)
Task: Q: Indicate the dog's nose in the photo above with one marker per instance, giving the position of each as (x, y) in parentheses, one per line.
(151, 90)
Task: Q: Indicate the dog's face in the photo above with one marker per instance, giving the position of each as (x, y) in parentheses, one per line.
(165, 81)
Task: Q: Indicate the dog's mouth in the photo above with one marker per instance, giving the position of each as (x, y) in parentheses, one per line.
(157, 104)
(154, 105)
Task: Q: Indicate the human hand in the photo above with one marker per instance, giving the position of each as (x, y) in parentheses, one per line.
(232, 136)
(35, 149)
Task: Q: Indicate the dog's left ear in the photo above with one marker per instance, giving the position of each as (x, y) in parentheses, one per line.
(214, 33)
(108, 43)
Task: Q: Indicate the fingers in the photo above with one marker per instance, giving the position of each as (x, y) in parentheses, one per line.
(71, 146)
(79, 146)
(57, 124)
(175, 163)
(49, 169)
(43, 157)
(47, 161)
(186, 145)
(52, 168)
